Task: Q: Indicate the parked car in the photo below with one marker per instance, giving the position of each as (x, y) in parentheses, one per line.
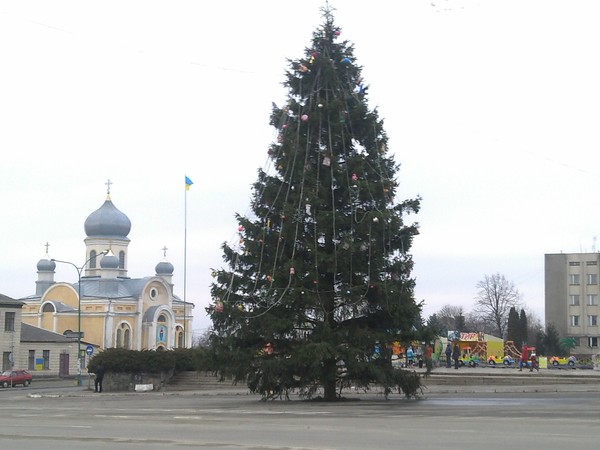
(14, 377)
(560, 361)
(507, 360)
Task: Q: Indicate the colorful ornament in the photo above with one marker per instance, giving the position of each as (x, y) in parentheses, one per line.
(292, 271)
(214, 273)
(375, 220)
(302, 68)
(304, 117)
(327, 161)
(354, 177)
(219, 307)
(240, 228)
(269, 278)
(346, 60)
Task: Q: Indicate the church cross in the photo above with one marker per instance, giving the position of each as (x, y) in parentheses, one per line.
(108, 183)
(164, 249)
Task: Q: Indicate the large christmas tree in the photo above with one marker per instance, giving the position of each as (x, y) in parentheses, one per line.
(319, 284)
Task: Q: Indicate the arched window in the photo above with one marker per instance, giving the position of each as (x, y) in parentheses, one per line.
(123, 336)
(121, 259)
(126, 339)
(179, 339)
(48, 307)
(93, 259)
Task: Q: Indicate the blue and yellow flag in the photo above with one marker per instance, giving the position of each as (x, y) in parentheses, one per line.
(188, 183)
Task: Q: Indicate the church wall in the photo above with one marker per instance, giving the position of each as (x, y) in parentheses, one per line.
(93, 328)
(63, 293)
(47, 321)
(63, 323)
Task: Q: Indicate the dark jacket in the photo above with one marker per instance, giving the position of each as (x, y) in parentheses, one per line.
(456, 352)
(99, 372)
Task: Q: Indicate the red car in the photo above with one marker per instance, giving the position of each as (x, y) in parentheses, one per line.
(14, 377)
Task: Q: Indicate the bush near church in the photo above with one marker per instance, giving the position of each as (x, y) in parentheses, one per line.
(125, 368)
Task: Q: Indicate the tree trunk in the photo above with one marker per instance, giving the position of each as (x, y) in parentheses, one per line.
(329, 377)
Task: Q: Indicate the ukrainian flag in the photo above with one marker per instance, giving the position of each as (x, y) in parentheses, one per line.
(188, 183)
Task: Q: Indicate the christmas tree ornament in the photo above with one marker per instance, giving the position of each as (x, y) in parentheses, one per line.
(304, 117)
(327, 161)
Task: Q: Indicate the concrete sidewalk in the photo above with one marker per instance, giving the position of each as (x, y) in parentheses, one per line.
(439, 381)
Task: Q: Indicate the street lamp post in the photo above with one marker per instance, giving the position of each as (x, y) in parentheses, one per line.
(79, 270)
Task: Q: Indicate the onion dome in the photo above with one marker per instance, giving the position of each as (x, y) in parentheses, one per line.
(109, 261)
(107, 221)
(46, 265)
(164, 268)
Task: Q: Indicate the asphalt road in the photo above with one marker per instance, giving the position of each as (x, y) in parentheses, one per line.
(67, 417)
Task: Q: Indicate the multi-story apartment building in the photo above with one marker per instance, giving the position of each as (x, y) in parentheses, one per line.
(571, 299)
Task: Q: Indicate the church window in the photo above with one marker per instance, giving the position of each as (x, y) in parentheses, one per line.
(153, 294)
(123, 336)
(48, 307)
(121, 259)
(162, 318)
(93, 259)
(179, 337)
(126, 335)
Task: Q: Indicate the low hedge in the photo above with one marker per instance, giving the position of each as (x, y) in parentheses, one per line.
(119, 360)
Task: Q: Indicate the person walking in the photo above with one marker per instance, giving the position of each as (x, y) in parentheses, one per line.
(410, 355)
(534, 363)
(429, 358)
(98, 379)
(456, 355)
(524, 357)
(448, 355)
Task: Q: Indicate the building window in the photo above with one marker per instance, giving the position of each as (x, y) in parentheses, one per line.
(574, 278)
(126, 338)
(593, 321)
(9, 321)
(592, 278)
(46, 357)
(591, 263)
(573, 263)
(574, 300)
(593, 341)
(123, 336)
(31, 360)
(93, 259)
(121, 259)
(592, 299)
(574, 321)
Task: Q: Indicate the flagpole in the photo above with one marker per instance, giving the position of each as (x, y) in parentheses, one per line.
(185, 263)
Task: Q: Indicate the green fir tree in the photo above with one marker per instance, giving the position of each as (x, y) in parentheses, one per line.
(319, 285)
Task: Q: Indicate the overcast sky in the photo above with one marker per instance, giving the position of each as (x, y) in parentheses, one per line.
(491, 107)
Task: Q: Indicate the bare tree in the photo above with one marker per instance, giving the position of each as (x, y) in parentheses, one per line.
(451, 318)
(495, 296)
